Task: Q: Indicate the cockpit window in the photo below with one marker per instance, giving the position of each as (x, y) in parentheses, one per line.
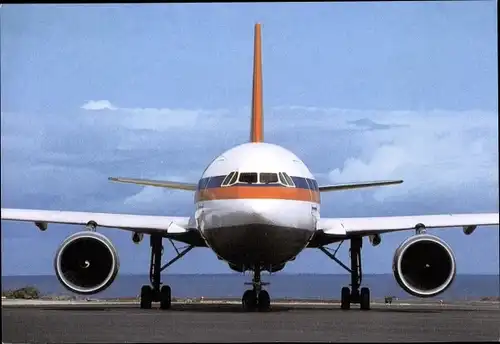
(268, 178)
(288, 179)
(283, 179)
(258, 178)
(248, 177)
(234, 178)
(230, 179)
(226, 180)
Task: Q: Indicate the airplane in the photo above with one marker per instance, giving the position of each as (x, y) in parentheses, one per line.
(257, 206)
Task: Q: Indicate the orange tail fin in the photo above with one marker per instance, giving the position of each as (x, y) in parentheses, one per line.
(257, 129)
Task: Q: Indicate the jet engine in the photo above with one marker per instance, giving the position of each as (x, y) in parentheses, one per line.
(86, 263)
(424, 265)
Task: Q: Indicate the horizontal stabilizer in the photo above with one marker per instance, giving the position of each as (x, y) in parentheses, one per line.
(158, 183)
(358, 185)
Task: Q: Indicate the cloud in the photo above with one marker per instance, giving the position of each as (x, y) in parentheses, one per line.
(433, 152)
(366, 123)
(151, 119)
(95, 105)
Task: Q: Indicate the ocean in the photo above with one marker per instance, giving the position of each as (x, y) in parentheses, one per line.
(296, 286)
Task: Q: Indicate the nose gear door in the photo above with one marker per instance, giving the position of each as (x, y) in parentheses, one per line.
(315, 214)
(311, 185)
(202, 190)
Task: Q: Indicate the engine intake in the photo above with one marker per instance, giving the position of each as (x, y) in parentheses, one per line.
(424, 265)
(86, 263)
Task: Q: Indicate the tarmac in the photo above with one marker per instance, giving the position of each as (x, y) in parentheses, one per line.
(219, 321)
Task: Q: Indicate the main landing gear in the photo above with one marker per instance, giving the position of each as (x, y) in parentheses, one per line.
(354, 294)
(256, 298)
(156, 292)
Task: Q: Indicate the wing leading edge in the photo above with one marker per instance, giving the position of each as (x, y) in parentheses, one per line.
(174, 227)
(333, 229)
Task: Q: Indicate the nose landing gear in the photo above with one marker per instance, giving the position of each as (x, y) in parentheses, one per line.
(256, 298)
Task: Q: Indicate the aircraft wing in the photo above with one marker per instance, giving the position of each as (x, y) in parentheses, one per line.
(178, 228)
(357, 185)
(159, 183)
(335, 229)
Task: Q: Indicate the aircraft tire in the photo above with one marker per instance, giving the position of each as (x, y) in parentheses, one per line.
(249, 300)
(264, 301)
(146, 297)
(365, 299)
(345, 299)
(165, 297)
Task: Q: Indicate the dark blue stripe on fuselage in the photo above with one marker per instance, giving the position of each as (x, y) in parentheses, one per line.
(216, 182)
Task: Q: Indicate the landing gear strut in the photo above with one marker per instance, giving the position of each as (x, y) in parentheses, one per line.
(354, 294)
(156, 292)
(256, 298)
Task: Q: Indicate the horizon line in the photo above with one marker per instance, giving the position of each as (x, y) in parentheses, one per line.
(236, 273)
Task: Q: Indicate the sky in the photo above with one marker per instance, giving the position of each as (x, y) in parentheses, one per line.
(359, 91)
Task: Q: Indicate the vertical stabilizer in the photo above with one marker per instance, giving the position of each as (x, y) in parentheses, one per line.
(257, 129)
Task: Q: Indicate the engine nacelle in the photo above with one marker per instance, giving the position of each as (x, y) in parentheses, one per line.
(86, 263)
(375, 239)
(424, 265)
(137, 237)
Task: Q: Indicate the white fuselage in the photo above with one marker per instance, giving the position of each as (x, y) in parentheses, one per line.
(257, 204)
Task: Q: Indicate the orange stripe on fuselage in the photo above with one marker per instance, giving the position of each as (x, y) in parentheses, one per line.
(256, 192)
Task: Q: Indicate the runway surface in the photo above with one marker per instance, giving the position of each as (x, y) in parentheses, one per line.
(101, 322)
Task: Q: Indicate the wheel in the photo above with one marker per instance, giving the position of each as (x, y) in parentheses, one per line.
(365, 299)
(249, 300)
(345, 299)
(165, 297)
(264, 301)
(146, 297)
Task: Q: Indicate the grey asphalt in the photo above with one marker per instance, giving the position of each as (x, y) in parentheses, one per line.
(228, 323)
